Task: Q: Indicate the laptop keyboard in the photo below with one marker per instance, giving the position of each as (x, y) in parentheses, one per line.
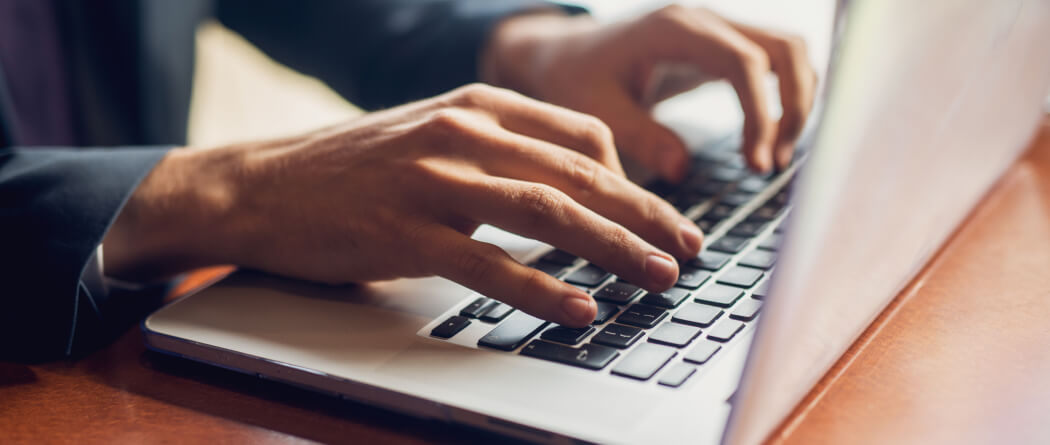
(666, 336)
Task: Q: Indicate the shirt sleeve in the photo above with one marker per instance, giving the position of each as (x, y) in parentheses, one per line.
(376, 53)
(56, 206)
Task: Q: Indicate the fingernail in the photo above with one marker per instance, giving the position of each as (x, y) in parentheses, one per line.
(579, 307)
(765, 162)
(661, 270)
(692, 237)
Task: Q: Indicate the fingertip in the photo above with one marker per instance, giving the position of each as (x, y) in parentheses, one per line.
(761, 160)
(578, 308)
(785, 152)
(661, 270)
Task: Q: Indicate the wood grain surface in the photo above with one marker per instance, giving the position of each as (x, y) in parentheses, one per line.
(962, 355)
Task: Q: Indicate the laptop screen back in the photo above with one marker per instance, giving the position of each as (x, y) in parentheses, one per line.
(928, 103)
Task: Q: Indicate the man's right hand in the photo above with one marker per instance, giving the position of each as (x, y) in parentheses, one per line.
(398, 193)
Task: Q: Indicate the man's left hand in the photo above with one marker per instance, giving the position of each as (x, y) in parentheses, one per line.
(615, 72)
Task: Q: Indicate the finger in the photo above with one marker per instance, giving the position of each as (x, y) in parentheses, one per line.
(797, 82)
(751, 65)
(542, 212)
(521, 114)
(594, 186)
(701, 38)
(647, 141)
(490, 271)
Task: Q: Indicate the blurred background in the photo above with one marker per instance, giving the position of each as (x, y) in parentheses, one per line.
(241, 94)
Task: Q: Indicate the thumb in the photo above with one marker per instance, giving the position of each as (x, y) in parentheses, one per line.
(651, 144)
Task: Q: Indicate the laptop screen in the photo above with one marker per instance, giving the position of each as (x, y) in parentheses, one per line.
(928, 103)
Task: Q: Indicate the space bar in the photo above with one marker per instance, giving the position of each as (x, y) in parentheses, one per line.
(513, 332)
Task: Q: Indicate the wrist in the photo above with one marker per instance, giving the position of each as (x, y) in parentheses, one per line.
(522, 48)
(180, 217)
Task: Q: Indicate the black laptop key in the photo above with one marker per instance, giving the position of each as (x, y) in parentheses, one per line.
(677, 375)
(668, 299)
(589, 356)
(747, 229)
(705, 225)
(761, 291)
(725, 330)
(719, 295)
(735, 199)
(549, 268)
(478, 307)
(685, 200)
(644, 361)
(558, 256)
(752, 184)
(759, 259)
(739, 276)
(690, 278)
(617, 292)
(697, 315)
(771, 242)
(729, 244)
(702, 352)
(765, 213)
(718, 213)
(674, 334)
(450, 327)
(617, 336)
(747, 310)
(605, 312)
(569, 336)
(642, 316)
(782, 197)
(513, 332)
(710, 188)
(589, 276)
(709, 260)
(726, 173)
(497, 313)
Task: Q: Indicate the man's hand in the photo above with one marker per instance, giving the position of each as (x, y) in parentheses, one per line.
(618, 72)
(397, 194)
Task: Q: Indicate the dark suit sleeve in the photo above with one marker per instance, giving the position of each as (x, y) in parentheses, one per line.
(55, 207)
(376, 53)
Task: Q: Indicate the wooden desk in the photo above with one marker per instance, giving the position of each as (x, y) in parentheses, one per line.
(963, 355)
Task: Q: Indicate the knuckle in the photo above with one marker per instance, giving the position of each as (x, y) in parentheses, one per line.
(475, 264)
(583, 174)
(541, 203)
(532, 282)
(751, 57)
(475, 95)
(793, 45)
(450, 121)
(597, 134)
(658, 212)
(673, 12)
(619, 237)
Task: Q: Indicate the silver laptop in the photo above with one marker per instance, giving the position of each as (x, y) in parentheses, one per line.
(926, 104)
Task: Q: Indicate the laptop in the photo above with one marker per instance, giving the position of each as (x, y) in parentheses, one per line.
(926, 104)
